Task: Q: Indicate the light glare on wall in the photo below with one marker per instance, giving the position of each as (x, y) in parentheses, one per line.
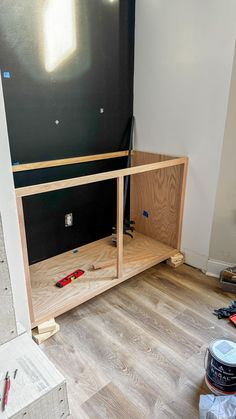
(59, 32)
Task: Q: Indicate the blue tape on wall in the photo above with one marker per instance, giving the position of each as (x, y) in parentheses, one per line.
(6, 74)
(145, 214)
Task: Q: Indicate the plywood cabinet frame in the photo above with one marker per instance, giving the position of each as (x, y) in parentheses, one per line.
(144, 163)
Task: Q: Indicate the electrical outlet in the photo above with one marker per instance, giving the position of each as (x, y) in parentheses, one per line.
(69, 220)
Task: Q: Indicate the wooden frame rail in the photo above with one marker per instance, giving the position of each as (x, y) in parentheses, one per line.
(64, 162)
(99, 177)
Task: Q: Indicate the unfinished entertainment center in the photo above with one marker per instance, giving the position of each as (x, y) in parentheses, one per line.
(157, 189)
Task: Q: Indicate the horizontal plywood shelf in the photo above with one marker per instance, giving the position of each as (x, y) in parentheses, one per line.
(140, 253)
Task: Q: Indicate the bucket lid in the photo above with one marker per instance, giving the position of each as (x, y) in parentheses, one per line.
(224, 350)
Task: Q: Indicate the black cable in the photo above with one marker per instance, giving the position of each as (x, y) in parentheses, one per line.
(127, 178)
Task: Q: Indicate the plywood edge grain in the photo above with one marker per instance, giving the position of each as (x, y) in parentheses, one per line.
(68, 161)
(152, 153)
(150, 157)
(25, 255)
(182, 200)
(119, 225)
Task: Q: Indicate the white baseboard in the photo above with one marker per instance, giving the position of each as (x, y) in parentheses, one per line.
(210, 267)
(214, 267)
(196, 260)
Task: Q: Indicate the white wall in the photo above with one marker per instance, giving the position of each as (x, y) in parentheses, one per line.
(183, 61)
(10, 224)
(223, 238)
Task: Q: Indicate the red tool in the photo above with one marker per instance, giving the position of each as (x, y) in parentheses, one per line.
(69, 278)
(233, 319)
(7, 389)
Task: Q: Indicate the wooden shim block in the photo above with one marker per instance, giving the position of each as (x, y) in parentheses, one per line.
(174, 265)
(177, 256)
(176, 260)
(48, 326)
(40, 338)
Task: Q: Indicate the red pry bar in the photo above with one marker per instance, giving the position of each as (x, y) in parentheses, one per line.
(69, 278)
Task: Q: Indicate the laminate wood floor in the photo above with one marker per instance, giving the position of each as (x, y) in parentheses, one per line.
(137, 351)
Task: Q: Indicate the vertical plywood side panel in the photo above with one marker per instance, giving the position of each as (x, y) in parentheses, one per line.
(8, 329)
(25, 255)
(157, 203)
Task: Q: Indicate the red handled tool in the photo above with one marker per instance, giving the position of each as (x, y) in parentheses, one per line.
(69, 278)
(233, 319)
(6, 390)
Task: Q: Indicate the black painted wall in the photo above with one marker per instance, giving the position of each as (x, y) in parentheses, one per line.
(98, 75)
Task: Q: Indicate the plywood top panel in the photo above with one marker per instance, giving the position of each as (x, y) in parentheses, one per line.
(140, 253)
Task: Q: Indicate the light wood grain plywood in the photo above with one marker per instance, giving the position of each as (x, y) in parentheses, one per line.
(145, 157)
(159, 194)
(50, 301)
